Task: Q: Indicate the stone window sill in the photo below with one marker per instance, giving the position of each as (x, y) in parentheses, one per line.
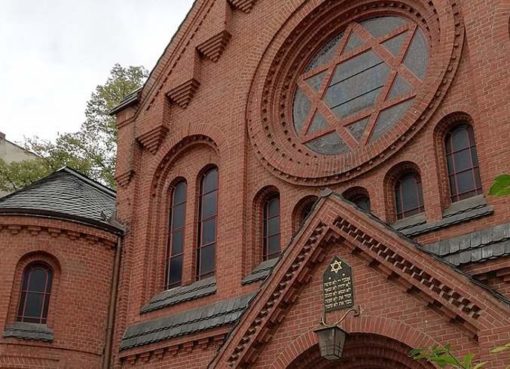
(29, 331)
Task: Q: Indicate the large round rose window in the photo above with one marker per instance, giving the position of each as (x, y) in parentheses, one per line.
(344, 85)
(360, 84)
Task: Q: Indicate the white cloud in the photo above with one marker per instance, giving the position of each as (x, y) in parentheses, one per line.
(54, 52)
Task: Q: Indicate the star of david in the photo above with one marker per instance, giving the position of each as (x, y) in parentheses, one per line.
(344, 126)
(336, 266)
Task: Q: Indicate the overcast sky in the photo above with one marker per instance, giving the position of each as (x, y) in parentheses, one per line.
(53, 53)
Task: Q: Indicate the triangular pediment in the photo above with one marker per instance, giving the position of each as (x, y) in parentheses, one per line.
(389, 255)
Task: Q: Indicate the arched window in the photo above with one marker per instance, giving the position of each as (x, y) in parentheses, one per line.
(462, 162)
(408, 195)
(359, 196)
(35, 294)
(175, 253)
(206, 255)
(272, 228)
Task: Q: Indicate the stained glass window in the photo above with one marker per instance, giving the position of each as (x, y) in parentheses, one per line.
(35, 294)
(206, 255)
(176, 235)
(360, 84)
(462, 162)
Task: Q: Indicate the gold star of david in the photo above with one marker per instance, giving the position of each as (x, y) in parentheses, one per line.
(336, 266)
(383, 102)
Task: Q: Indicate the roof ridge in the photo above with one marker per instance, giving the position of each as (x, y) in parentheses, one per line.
(92, 182)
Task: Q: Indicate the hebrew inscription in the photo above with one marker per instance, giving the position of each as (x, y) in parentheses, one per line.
(337, 286)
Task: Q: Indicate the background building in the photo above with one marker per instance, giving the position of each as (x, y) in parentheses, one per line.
(273, 142)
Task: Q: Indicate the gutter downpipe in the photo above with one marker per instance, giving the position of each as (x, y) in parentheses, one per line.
(107, 356)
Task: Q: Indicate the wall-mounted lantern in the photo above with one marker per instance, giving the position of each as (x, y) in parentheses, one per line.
(331, 342)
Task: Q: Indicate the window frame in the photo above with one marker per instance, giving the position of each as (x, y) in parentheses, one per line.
(198, 274)
(172, 231)
(400, 211)
(25, 292)
(265, 227)
(451, 174)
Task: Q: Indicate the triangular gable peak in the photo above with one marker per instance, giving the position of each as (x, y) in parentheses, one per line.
(442, 288)
(203, 36)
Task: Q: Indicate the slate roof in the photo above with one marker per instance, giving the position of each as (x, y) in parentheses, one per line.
(474, 247)
(261, 271)
(201, 288)
(29, 331)
(189, 322)
(65, 193)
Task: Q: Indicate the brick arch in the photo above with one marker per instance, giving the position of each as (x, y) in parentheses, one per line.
(23, 262)
(390, 179)
(301, 348)
(297, 212)
(448, 122)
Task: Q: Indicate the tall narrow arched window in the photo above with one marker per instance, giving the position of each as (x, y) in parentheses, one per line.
(408, 195)
(35, 293)
(175, 252)
(358, 196)
(272, 228)
(462, 162)
(206, 253)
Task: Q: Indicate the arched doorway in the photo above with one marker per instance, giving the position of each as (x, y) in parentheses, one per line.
(363, 351)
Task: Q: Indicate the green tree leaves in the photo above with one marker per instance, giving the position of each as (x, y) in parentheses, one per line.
(501, 186)
(91, 150)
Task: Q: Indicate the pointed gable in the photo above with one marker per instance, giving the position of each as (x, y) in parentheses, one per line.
(440, 287)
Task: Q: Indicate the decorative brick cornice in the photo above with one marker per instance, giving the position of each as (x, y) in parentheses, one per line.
(153, 138)
(125, 178)
(214, 47)
(182, 94)
(243, 5)
(73, 235)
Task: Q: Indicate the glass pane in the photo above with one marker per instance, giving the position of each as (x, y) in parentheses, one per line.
(177, 242)
(474, 156)
(453, 186)
(460, 138)
(465, 182)
(207, 255)
(394, 45)
(273, 226)
(22, 304)
(418, 55)
(382, 26)
(208, 231)
(462, 160)
(33, 306)
(353, 43)
(273, 245)
(300, 110)
(178, 216)
(316, 81)
(450, 164)
(357, 129)
(400, 87)
(273, 207)
(37, 282)
(175, 271)
(409, 189)
(362, 202)
(357, 92)
(388, 118)
(318, 123)
(179, 193)
(209, 205)
(210, 181)
(325, 54)
(355, 66)
(329, 144)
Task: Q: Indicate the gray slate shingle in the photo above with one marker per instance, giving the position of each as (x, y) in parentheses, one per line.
(474, 247)
(189, 322)
(202, 288)
(260, 272)
(66, 192)
(29, 331)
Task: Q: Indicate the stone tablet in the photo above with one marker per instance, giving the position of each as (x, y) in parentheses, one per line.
(337, 286)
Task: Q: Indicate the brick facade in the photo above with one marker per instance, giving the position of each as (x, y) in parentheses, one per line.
(219, 96)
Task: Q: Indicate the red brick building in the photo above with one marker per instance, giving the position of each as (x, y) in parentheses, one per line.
(273, 142)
